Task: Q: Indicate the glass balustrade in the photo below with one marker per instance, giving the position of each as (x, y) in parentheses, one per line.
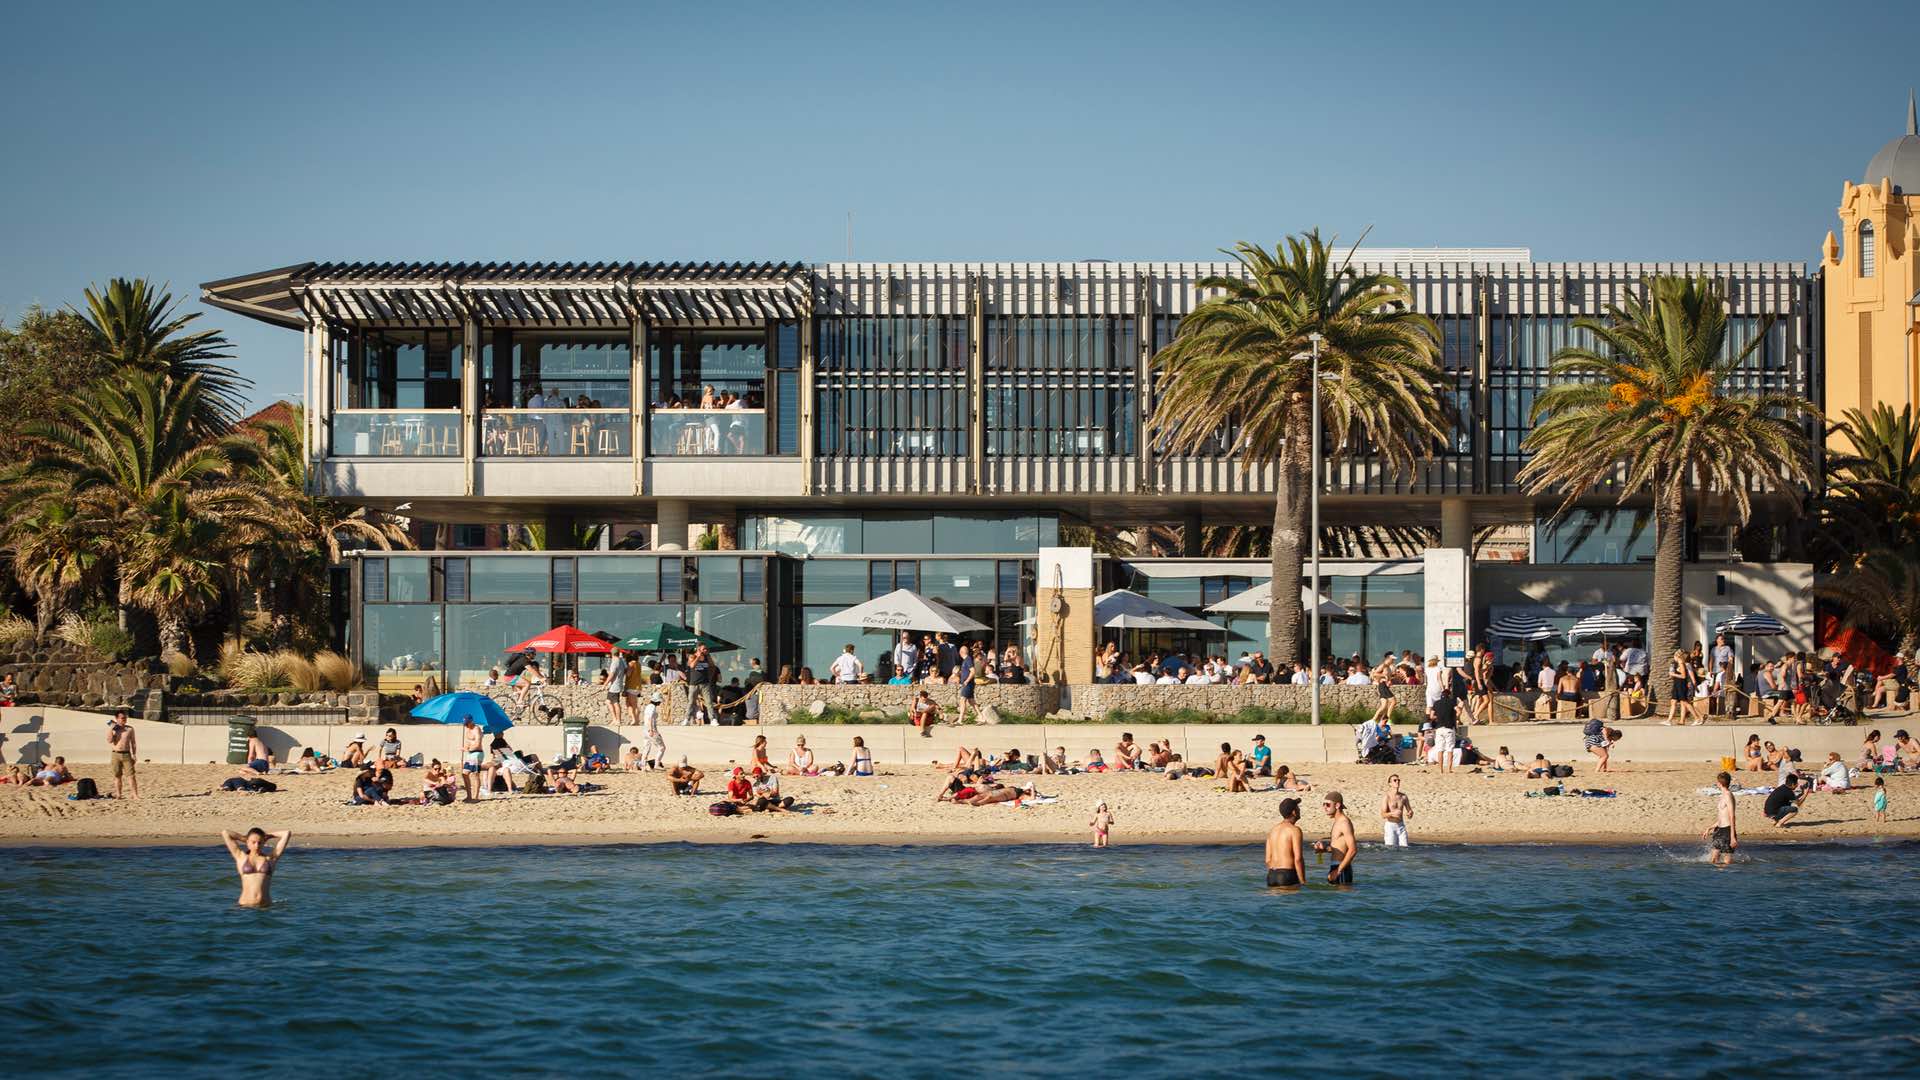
(396, 433)
(555, 433)
(707, 432)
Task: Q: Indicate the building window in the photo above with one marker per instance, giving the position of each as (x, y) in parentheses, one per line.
(1060, 387)
(1866, 249)
(396, 369)
(892, 387)
(526, 369)
(710, 389)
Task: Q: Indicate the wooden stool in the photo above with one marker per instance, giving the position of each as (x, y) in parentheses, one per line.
(578, 438)
(608, 444)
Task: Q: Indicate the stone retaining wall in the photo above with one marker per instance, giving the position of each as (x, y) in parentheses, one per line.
(61, 674)
(777, 702)
(1099, 699)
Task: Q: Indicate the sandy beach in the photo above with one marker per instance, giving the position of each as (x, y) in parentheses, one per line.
(1655, 803)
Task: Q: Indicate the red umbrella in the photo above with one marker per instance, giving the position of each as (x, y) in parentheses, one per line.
(563, 639)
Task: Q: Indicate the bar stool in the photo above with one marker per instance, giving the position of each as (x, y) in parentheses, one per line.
(609, 444)
(578, 438)
(390, 444)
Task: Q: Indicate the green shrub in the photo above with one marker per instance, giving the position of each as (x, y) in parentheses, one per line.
(108, 642)
(15, 630)
(838, 714)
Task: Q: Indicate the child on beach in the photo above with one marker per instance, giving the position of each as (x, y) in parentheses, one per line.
(1101, 824)
(1880, 799)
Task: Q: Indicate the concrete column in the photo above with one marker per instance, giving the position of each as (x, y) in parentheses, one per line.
(1064, 634)
(670, 532)
(1449, 577)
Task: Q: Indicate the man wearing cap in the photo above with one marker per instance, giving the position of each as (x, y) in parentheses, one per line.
(684, 779)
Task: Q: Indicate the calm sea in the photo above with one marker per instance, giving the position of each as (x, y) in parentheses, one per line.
(777, 961)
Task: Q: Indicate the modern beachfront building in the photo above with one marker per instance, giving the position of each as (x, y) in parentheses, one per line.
(956, 428)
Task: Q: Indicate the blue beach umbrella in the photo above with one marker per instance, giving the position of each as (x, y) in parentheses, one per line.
(456, 708)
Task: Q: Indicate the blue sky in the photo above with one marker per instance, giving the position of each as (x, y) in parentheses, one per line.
(186, 142)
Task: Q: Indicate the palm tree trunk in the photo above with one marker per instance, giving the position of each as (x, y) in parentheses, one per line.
(1669, 591)
(1292, 485)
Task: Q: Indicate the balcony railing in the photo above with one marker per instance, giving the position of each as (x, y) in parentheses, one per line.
(707, 432)
(555, 433)
(396, 433)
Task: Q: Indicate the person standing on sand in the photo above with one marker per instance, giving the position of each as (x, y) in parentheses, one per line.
(1395, 809)
(1723, 836)
(1101, 824)
(1341, 841)
(120, 742)
(256, 862)
(471, 756)
(1284, 856)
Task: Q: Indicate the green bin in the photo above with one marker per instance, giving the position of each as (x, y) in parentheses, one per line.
(573, 741)
(239, 733)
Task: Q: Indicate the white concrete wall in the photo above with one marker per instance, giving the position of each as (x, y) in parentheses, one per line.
(32, 734)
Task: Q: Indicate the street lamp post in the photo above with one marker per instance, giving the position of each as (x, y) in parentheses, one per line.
(1313, 532)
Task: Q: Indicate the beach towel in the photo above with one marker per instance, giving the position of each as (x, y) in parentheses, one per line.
(1739, 791)
(1039, 800)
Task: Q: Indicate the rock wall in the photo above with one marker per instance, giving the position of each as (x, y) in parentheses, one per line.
(56, 673)
(1099, 699)
(777, 702)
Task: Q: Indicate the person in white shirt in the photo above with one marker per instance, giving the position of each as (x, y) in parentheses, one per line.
(1141, 676)
(1436, 680)
(1722, 652)
(1299, 676)
(1634, 659)
(906, 655)
(1168, 680)
(847, 667)
(1359, 677)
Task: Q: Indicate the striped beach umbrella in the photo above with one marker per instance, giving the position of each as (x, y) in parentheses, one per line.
(1606, 625)
(1522, 628)
(1752, 624)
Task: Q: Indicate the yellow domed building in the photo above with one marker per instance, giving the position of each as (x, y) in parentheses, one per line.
(1872, 282)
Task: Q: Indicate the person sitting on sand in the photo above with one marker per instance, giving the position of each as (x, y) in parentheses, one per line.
(1506, 762)
(367, 790)
(1754, 757)
(740, 789)
(560, 779)
(1233, 770)
(1908, 749)
(259, 758)
(596, 762)
(1158, 754)
(1095, 763)
(1011, 761)
(354, 754)
(255, 859)
(52, 775)
(1870, 750)
(1126, 752)
(1285, 779)
(969, 761)
(766, 793)
(1261, 761)
(757, 757)
(925, 713)
(1834, 776)
(862, 758)
(389, 756)
(1540, 767)
(1776, 755)
(1054, 764)
(437, 785)
(684, 779)
(800, 759)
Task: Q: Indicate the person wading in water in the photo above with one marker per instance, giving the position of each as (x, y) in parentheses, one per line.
(1340, 842)
(1284, 857)
(256, 862)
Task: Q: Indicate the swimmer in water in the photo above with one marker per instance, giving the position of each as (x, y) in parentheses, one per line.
(255, 862)
(1340, 842)
(1284, 858)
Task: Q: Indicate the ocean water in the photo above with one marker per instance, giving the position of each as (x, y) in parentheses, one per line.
(796, 961)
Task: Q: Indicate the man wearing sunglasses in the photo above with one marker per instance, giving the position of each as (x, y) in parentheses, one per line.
(1341, 842)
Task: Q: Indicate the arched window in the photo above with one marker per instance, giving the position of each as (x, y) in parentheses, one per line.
(1866, 249)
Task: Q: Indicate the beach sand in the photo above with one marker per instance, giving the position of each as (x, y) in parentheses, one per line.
(1655, 803)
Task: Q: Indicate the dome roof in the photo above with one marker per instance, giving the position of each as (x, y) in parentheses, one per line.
(1899, 160)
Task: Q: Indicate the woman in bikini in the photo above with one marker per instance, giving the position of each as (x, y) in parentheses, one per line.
(862, 757)
(1755, 758)
(759, 755)
(800, 759)
(255, 861)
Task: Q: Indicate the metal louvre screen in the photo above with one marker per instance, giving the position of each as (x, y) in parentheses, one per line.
(892, 387)
(1060, 386)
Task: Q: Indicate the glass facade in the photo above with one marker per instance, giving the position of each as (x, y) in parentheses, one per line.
(724, 392)
(1061, 387)
(395, 433)
(898, 534)
(891, 387)
(556, 369)
(1595, 536)
(385, 368)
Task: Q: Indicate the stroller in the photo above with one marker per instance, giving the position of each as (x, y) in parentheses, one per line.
(1838, 700)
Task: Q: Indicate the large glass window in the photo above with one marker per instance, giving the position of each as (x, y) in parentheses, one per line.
(887, 535)
(409, 579)
(1595, 536)
(987, 534)
(400, 642)
(625, 620)
(820, 644)
(555, 369)
(834, 581)
(608, 577)
(1519, 351)
(959, 581)
(802, 534)
(743, 624)
(376, 368)
(509, 577)
(891, 386)
(713, 390)
(478, 636)
(1060, 387)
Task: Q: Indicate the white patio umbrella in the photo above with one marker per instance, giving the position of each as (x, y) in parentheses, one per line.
(1259, 600)
(1607, 625)
(1752, 624)
(1522, 628)
(903, 609)
(1122, 609)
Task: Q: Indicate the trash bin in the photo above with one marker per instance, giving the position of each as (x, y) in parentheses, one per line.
(573, 740)
(239, 733)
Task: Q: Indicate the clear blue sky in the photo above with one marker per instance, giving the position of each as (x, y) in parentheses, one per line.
(186, 142)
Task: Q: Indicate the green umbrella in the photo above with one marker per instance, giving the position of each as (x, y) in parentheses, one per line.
(664, 637)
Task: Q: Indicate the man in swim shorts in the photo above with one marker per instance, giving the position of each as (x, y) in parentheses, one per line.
(1283, 848)
(120, 742)
(471, 757)
(1395, 809)
(1724, 838)
(1341, 841)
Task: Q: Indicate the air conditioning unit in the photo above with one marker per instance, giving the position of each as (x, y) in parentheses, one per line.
(1719, 543)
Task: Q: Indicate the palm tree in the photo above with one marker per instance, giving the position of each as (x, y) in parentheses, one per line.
(163, 500)
(1873, 494)
(1650, 410)
(1880, 592)
(288, 568)
(137, 327)
(56, 554)
(1236, 366)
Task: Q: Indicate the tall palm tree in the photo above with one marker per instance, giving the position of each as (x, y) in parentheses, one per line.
(1651, 411)
(1236, 365)
(1873, 491)
(128, 454)
(139, 328)
(56, 554)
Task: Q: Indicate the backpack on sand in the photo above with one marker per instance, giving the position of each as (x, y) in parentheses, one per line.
(723, 809)
(84, 789)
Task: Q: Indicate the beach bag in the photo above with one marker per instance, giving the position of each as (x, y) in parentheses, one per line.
(85, 788)
(535, 785)
(500, 784)
(443, 796)
(1727, 764)
(262, 787)
(723, 809)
